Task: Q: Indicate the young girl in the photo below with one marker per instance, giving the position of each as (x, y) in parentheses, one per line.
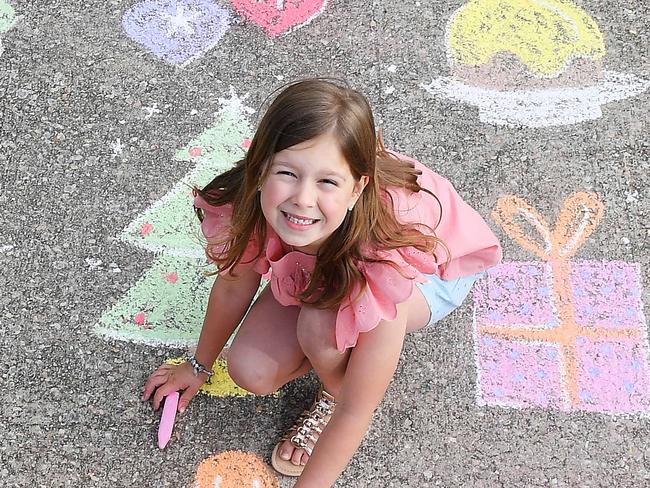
(360, 245)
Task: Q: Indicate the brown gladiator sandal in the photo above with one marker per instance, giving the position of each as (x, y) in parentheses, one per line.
(304, 433)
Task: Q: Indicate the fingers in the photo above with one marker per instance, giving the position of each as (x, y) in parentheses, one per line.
(157, 378)
(162, 392)
(162, 371)
(187, 395)
(168, 378)
(152, 383)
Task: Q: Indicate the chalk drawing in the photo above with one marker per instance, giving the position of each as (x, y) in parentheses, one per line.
(117, 147)
(562, 334)
(234, 469)
(221, 385)
(7, 16)
(151, 111)
(235, 103)
(167, 304)
(94, 263)
(533, 63)
(7, 19)
(177, 31)
(280, 17)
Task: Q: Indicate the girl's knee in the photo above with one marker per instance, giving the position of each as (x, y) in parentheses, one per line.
(251, 373)
(316, 331)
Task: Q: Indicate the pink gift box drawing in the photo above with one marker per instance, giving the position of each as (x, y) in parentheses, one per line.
(561, 334)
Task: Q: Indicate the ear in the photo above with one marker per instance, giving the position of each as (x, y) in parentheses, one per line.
(358, 189)
(361, 184)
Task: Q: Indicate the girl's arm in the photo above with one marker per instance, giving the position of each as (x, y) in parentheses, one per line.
(229, 300)
(370, 368)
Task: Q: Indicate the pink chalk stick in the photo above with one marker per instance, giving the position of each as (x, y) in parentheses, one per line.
(167, 419)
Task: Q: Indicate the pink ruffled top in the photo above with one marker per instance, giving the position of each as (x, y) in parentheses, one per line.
(472, 245)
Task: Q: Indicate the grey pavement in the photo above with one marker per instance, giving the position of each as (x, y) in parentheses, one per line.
(73, 83)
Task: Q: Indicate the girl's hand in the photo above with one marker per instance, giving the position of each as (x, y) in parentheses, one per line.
(173, 377)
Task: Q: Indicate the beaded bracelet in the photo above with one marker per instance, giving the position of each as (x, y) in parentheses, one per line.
(198, 367)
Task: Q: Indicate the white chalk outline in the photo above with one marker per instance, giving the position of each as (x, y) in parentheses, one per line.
(13, 23)
(543, 107)
(308, 21)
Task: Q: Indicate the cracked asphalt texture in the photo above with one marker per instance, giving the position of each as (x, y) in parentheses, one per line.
(72, 83)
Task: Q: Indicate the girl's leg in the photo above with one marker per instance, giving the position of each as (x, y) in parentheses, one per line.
(265, 353)
(316, 336)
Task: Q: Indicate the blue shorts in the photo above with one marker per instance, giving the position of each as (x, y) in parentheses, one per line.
(443, 296)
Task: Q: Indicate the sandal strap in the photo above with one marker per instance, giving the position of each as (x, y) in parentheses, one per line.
(289, 433)
(303, 433)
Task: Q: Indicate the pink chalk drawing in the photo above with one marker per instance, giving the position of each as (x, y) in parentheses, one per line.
(146, 229)
(177, 31)
(561, 334)
(246, 143)
(280, 16)
(171, 277)
(140, 318)
(195, 151)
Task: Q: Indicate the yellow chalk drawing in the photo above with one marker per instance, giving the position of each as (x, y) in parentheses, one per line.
(546, 35)
(234, 469)
(530, 63)
(221, 385)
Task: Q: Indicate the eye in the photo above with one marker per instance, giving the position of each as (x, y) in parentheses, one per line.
(330, 182)
(285, 172)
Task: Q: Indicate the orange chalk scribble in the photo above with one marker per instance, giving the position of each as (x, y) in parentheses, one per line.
(234, 469)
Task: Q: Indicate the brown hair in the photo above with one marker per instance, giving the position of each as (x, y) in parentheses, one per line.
(302, 111)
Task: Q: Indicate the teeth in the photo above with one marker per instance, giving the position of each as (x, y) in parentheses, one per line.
(296, 220)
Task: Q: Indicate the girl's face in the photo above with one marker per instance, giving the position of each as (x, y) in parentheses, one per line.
(308, 191)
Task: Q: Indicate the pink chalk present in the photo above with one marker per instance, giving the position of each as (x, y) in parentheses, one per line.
(557, 333)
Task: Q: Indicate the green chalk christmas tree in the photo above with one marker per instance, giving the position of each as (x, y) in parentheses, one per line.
(167, 305)
(7, 18)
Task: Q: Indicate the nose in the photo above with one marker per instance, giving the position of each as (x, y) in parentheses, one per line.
(304, 195)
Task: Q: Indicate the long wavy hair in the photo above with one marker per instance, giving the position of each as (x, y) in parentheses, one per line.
(302, 111)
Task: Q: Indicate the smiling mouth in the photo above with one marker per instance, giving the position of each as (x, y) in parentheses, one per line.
(299, 220)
